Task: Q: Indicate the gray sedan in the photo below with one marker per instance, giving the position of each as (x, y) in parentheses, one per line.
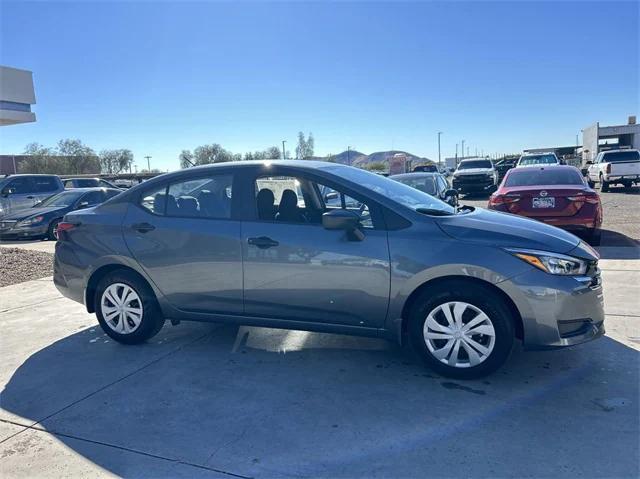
(256, 243)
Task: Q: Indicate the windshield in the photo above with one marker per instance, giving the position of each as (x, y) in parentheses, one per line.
(535, 177)
(467, 165)
(617, 156)
(424, 184)
(538, 160)
(399, 192)
(66, 198)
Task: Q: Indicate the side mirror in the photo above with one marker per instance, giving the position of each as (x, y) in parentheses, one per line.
(345, 220)
(589, 162)
(82, 204)
(6, 191)
(331, 196)
(451, 196)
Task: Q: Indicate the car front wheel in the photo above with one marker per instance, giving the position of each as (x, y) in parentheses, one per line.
(127, 309)
(461, 330)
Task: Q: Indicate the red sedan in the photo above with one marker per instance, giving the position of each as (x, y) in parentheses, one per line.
(556, 195)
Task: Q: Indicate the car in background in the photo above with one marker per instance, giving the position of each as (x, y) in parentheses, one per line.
(556, 195)
(22, 191)
(538, 159)
(504, 165)
(475, 176)
(425, 169)
(433, 184)
(227, 243)
(615, 167)
(87, 183)
(41, 220)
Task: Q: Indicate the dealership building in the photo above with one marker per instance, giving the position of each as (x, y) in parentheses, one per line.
(597, 138)
(16, 96)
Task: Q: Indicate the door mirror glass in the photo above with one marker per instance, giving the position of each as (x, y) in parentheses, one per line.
(82, 204)
(451, 196)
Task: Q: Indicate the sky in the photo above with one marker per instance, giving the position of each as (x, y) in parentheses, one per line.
(160, 77)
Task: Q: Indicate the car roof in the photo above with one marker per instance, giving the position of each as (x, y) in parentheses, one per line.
(91, 188)
(416, 174)
(620, 150)
(521, 169)
(16, 175)
(304, 164)
(80, 178)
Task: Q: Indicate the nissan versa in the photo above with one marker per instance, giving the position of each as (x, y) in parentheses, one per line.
(257, 243)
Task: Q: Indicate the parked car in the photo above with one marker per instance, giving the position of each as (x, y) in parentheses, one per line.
(504, 165)
(18, 192)
(425, 169)
(41, 220)
(87, 183)
(226, 243)
(475, 176)
(433, 184)
(539, 159)
(556, 195)
(615, 167)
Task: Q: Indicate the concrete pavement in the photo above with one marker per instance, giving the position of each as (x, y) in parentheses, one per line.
(221, 401)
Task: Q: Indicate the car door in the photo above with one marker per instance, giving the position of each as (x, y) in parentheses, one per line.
(593, 169)
(19, 194)
(185, 237)
(296, 270)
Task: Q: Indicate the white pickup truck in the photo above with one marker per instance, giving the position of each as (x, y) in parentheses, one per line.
(614, 167)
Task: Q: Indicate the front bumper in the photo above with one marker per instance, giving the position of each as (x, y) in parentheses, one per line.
(473, 183)
(557, 311)
(13, 231)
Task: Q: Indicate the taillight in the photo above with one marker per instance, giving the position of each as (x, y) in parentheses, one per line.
(608, 168)
(62, 228)
(591, 199)
(495, 200)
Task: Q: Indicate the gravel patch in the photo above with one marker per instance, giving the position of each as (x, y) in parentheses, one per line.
(18, 265)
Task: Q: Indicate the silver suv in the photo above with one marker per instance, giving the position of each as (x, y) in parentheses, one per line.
(18, 192)
(326, 247)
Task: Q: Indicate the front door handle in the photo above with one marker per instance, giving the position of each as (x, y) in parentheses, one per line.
(262, 242)
(30, 197)
(143, 227)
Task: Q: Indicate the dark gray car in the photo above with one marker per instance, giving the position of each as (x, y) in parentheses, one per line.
(255, 243)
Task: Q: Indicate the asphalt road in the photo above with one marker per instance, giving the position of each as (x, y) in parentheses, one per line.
(621, 215)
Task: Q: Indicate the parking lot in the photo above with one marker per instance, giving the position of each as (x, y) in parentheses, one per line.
(223, 401)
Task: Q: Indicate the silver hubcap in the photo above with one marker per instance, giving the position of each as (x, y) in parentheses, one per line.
(459, 335)
(121, 308)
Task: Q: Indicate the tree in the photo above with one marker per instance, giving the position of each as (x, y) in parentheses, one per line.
(310, 145)
(304, 149)
(186, 159)
(115, 161)
(377, 166)
(214, 153)
(70, 157)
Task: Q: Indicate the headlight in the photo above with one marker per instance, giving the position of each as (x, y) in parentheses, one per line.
(553, 263)
(34, 220)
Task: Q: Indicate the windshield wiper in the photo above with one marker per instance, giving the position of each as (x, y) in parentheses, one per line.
(434, 212)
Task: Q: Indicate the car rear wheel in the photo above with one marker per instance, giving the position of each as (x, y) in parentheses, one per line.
(604, 185)
(126, 308)
(461, 330)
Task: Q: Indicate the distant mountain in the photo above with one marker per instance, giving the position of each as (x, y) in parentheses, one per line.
(357, 158)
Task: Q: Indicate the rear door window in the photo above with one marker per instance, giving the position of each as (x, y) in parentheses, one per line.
(20, 186)
(45, 184)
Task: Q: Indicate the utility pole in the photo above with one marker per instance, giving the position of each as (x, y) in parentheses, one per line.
(283, 142)
(349, 155)
(467, 151)
(148, 158)
(462, 150)
(439, 159)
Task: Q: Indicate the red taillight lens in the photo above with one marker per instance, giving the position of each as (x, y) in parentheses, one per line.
(62, 228)
(591, 199)
(495, 200)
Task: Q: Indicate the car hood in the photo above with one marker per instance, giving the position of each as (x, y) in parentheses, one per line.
(473, 171)
(493, 228)
(29, 212)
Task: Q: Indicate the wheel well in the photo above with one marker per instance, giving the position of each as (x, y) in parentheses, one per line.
(100, 273)
(515, 314)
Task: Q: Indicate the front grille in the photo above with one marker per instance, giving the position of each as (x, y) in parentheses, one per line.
(7, 225)
(467, 179)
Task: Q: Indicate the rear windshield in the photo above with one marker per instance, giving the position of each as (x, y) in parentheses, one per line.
(617, 156)
(466, 165)
(422, 183)
(538, 160)
(551, 176)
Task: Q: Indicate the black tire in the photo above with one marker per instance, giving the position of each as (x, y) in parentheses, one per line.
(478, 296)
(590, 183)
(52, 228)
(604, 185)
(595, 237)
(628, 185)
(152, 320)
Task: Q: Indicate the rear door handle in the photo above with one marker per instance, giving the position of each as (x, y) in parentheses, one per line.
(143, 227)
(262, 242)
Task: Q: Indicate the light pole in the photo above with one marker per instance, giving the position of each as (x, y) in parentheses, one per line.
(283, 142)
(439, 159)
(462, 149)
(148, 158)
(349, 155)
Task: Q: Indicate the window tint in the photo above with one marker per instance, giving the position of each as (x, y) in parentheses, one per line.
(552, 176)
(425, 184)
(208, 197)
(92, 198)
(20, 186)
(44, 184)
(538, 160)
(87, 183)
(468, 164)
(335, 199)
(111, 194)
(617, 156)
(443, 185)
(68, 184)
(155, 200)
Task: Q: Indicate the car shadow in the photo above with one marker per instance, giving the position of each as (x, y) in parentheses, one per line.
(265, 402)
